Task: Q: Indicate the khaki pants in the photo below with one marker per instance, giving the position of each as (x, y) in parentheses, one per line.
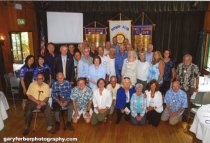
(172, 120)
(95, 118)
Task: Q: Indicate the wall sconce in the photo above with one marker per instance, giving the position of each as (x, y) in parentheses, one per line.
(2, 37)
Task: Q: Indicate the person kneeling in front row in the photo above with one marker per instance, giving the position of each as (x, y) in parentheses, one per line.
(176, 102)
(138, 106)
(82, 101)
(102, 101)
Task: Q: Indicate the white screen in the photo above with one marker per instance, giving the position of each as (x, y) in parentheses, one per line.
(65, 27)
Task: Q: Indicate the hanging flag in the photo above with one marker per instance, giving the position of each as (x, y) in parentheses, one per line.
(42, 40)
(96, 35)
(121, 29)
(142, 34)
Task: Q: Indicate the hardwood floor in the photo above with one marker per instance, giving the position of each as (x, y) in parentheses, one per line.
(109, 132)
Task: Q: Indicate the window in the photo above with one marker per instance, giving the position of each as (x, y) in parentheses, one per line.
(21, 45)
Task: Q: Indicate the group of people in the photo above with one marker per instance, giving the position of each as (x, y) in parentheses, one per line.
(97, 82)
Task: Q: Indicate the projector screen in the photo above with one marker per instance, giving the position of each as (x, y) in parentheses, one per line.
(65, 27)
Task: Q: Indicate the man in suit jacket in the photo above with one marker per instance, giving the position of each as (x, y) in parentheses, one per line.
(64, 63)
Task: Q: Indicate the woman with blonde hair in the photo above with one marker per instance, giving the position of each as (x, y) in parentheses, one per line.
(129, 66)
(156, 69)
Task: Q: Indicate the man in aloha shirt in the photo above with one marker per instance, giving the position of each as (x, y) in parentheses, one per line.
(176, 102)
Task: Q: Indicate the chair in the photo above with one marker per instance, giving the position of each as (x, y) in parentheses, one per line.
(201, 98)
(197, 98)
(206, 98)
(7, 81)
(14, 82)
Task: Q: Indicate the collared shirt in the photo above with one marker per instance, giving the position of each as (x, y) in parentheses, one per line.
(37, 91)
(113, 90)
(142, 70)
(61, 91)
(88, 60)
(24, 70)
(96, 73)
(156, 101)
(83, 69)
(27, 74)
(104, 62)
(138, 105)
(82, 97)
(64, 58)
(102, 101)
(176, 100)
(149, 57)
(45, 69)
(119, 59)
(187, 76)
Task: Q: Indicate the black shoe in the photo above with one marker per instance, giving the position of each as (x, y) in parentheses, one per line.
(26, 132)
(69, 126)
(57, 125)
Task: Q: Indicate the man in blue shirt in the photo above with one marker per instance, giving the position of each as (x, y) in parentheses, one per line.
(176, 102)
(61, 91)
(149, 53)
(119, 59)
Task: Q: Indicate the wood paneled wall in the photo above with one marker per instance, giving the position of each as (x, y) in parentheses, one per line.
(207, 20)
(8, 23)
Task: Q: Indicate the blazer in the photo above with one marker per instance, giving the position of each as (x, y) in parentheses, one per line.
(121, 97)
(58, 67)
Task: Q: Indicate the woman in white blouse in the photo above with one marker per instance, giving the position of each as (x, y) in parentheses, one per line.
(129, 66)
(154, 103)
(102, 101)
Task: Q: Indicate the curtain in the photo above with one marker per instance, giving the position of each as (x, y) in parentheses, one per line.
(178, 24)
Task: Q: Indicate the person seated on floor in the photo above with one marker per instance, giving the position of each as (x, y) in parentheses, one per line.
(176, 102)
(154, 103)
(61, 92)
(138, 106)
(113, 87)
(124, 95)
(38, 94)
(82, 101)
(102, 101)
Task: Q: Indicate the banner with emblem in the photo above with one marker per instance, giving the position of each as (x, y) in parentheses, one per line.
(142, 34)
(96, 35)
(121, 29)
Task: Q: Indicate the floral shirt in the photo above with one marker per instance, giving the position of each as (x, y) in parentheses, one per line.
(187, 76)
(82, 97)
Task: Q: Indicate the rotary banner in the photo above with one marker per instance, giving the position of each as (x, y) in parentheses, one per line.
(121, 29)
(142, 34)
(96, 35)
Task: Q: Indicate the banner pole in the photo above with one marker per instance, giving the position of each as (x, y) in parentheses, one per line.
(142, 18)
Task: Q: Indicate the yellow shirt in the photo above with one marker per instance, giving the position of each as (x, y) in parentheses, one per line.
(34, 89)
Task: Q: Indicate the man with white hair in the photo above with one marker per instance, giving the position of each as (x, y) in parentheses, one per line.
(188, 74)
(149, 53)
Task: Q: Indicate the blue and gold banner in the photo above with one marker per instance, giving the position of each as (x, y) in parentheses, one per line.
(95, 31)
(96, 35)
(142, 34)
